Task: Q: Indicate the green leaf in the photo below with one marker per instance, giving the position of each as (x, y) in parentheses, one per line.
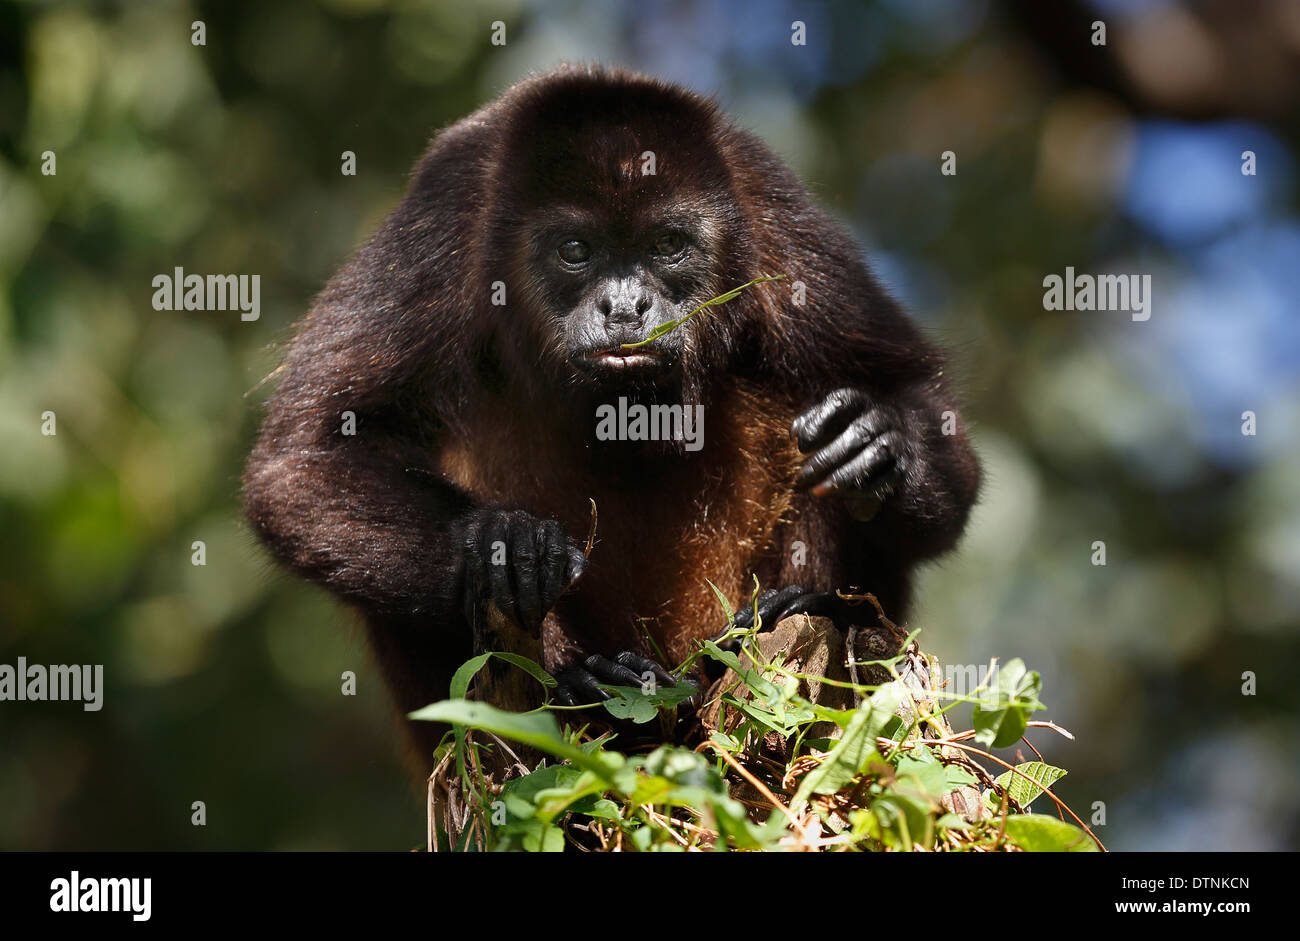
(531, 667)
(904, 820)
(725, 740)
(841, 717)
(725, 657)
(672, 325)
(855, 750)
(552, 802)
(461, 678)
(685, 767)
(528, 786)
(953, 822)
(543, 838)
(629, 702)
(762, 687)
(641, 838)
(762, 715)
(605, 809)
(1003, 710)
(1024, 792)
(537, 729)
(1039, 833)
(722, 600)
(922, 767)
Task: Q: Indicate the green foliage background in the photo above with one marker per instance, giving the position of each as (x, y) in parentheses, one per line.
(223, 681)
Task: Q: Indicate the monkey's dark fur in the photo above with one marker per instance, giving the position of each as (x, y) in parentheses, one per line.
(476, 421)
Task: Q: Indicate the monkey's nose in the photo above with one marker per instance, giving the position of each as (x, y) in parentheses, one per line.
(624, 306)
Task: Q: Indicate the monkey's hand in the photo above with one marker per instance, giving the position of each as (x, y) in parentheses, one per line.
(521, 562)
(858, 449)
(580, 684)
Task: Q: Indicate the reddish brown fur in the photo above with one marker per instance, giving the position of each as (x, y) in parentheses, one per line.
(655, 547)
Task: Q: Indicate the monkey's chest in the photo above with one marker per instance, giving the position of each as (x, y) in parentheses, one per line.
(663, 529)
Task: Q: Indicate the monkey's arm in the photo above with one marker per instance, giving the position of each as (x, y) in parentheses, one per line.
(360, 518)
(356, 516)
(363, 518)
(872, 408)
(870, 391)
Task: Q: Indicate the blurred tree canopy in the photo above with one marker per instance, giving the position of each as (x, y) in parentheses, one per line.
(223, 680)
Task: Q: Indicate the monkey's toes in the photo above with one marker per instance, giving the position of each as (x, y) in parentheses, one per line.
(580, 684)
(774, 605)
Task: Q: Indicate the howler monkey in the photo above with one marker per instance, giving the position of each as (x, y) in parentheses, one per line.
(477, 333)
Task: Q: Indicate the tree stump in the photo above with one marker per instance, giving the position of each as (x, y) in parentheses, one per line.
(814, 646)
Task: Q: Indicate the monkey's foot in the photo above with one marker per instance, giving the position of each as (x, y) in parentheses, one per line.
(774, 605)
(580, 684)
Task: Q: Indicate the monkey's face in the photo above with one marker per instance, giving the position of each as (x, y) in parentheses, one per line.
(616, 214)
(608, 282)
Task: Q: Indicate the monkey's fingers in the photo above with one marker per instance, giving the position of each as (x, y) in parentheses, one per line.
(494, 569)
(580, 685)
(526, 577)
(523, 563)
(577, 564)
(611, 673)
(560, 564)
(821, 423)
(860, 432)
(626, 668)
(872, 470)
(643, 665)
(577, 686)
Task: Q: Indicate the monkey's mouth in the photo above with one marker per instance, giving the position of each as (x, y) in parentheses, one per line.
(620, 364)
(623, 358)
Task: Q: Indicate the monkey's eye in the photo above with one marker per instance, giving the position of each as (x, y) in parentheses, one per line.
(668, 244)
(574, 252)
